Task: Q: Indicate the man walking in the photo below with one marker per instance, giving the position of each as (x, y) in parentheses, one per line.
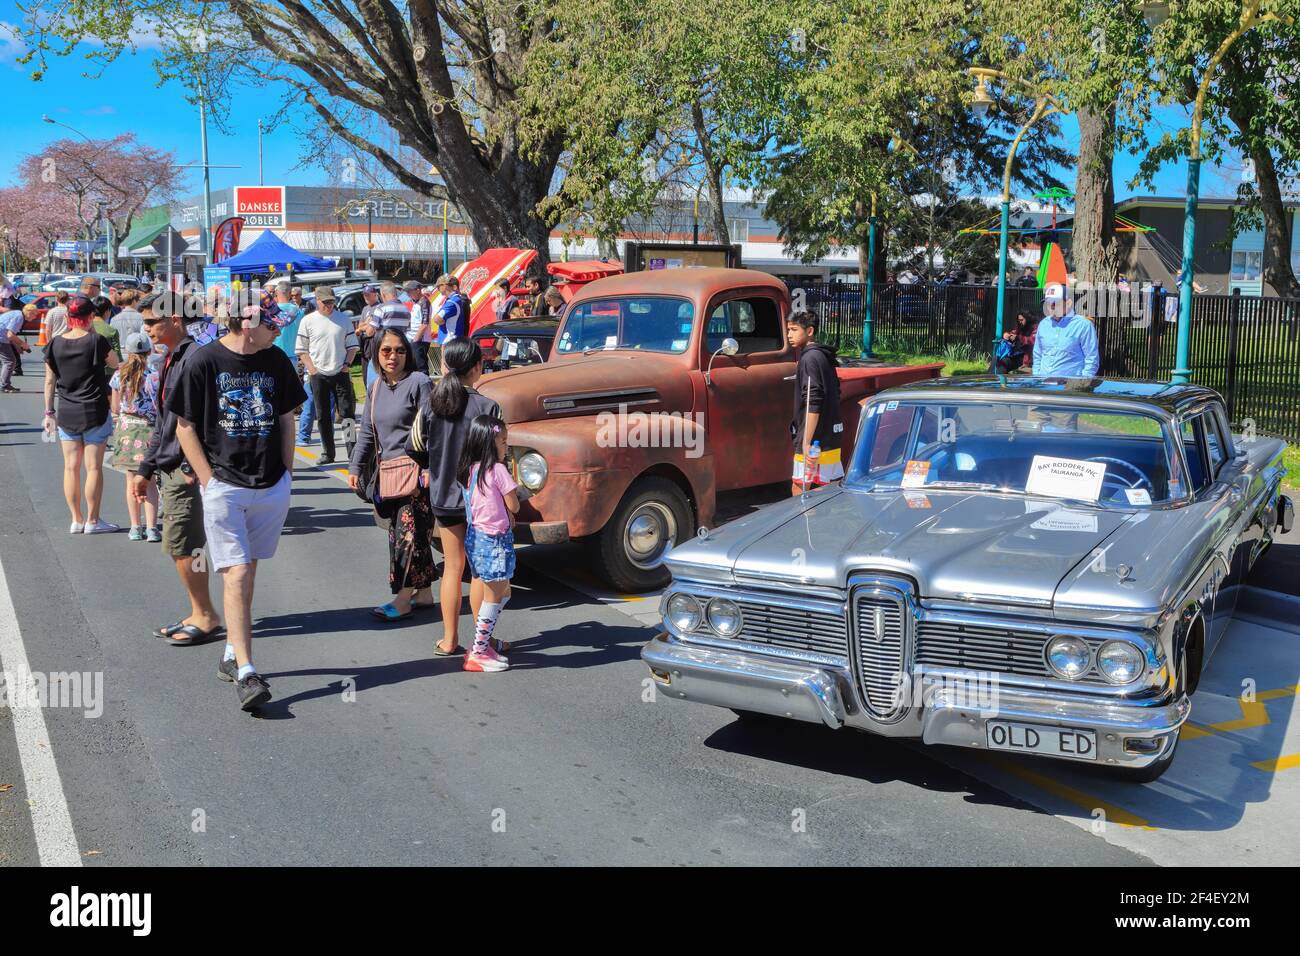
(12, 347)
(128, 321)
(1065, 345)
(326, 345)
(235, 402)
(183, 537)
(418, 334)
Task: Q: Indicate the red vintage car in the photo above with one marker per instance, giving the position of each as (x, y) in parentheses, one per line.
(663, 389)
(44, 301)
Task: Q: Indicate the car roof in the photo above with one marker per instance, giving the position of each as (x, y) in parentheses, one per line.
(1160, 396)
(687, 283)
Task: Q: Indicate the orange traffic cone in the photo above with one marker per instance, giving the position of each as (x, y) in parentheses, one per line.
(40, 339)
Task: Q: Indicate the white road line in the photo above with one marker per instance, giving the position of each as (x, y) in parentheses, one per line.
(56, 842)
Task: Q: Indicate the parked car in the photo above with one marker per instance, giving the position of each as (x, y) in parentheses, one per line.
(1037, 566)
(44, 302)
(663, 389)
(70, 283)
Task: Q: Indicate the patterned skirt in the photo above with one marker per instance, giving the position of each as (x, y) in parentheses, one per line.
(132, 440)
(410, 544)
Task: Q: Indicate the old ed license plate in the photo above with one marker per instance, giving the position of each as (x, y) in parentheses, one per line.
(1072, 742)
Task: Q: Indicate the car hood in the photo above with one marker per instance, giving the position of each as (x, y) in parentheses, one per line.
(640, 381)
(954, 545)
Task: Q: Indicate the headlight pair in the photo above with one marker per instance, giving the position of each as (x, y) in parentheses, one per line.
(686, 614)
(1118, 661)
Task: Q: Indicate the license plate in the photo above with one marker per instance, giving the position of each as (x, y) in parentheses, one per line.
(1072, 742)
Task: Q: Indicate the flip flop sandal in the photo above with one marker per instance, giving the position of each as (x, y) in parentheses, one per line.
(439, 652)
(389, 613)
(189, 634)
(168, 630)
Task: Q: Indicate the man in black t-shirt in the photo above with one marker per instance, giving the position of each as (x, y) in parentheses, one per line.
(816, 419)
(234, 402)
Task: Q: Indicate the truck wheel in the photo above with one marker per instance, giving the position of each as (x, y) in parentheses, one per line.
(1149, 773)
(653, 516)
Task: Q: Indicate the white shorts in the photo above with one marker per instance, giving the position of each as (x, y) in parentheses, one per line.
(243, 525)
(829, 468)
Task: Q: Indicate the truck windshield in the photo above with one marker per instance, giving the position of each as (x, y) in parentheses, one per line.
(1091, 455)
(650, 323)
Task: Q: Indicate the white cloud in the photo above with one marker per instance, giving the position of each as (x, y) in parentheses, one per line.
(104, 110)
(12, 45)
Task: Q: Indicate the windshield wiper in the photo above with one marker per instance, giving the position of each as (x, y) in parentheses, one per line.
(958, 485)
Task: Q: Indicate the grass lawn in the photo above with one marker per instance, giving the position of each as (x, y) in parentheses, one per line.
(977, 366)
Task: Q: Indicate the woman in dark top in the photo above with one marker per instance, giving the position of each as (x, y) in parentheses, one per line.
(436, 440)
(76, 361)
(396, 395)
(1021, 339)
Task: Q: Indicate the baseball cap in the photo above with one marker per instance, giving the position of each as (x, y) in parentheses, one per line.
(410, 285)
(138, 343)
(260, 306)
(324, 294)
(1054, 292)
(370, 287)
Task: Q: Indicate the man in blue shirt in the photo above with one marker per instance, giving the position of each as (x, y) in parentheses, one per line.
(1066, 344)
(452, 317)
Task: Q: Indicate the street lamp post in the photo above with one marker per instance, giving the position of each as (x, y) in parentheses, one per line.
(1044, 105)
(1251, 17)
(260, 129)
(869, 305)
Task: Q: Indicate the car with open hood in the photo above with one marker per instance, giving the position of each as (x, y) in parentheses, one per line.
(1018, 564)
(663, 389)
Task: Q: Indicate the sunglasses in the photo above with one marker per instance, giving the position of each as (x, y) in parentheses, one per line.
(393, 351)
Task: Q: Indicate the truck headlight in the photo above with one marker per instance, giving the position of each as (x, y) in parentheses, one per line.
(684, 612)
(532, 470)
(724, 617)
(1120, 662)
(1069, 657)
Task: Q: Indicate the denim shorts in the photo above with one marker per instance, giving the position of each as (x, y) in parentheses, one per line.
(491, 556)
(95, 436)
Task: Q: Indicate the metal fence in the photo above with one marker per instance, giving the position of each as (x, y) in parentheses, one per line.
(1245, 347)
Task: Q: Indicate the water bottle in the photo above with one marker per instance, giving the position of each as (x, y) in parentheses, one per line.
(811, 465)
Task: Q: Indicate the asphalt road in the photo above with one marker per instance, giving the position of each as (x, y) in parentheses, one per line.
(374, 752)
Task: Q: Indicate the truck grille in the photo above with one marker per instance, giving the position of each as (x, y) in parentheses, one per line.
(969, 647)
(794, 628)
(879, 650)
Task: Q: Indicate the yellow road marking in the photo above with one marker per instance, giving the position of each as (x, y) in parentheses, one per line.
(1289, 762)
(1083, 801)
(1252, 715)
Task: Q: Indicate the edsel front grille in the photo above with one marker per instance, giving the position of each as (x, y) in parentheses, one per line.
(879, 651)
(968, 647)
(794, 628)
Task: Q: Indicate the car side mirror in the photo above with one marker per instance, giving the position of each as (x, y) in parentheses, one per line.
(729, 347)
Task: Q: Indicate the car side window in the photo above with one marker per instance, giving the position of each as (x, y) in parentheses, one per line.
(1213, 444)
(754, 323)
(1193, 450)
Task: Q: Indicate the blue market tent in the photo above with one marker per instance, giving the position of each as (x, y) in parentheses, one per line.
(271, 252)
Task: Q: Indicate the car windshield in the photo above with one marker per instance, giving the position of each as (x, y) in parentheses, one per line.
(649, 323)
(1102, 457)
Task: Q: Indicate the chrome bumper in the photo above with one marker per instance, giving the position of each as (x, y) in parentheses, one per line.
(1130, 735)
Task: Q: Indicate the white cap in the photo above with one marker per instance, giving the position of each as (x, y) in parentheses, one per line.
(1054, 292)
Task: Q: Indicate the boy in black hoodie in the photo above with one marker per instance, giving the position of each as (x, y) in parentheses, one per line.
(816, 404)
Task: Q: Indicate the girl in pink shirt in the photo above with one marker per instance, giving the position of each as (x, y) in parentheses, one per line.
(490, 500)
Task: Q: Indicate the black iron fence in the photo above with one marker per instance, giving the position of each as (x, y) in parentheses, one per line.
(1245, 347)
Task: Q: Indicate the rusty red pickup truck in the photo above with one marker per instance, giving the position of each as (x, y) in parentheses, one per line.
(663, 389)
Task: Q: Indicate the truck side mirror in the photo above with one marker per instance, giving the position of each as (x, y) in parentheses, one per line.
(729, 347)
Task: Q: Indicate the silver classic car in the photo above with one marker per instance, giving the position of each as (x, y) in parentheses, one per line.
(1034, 565)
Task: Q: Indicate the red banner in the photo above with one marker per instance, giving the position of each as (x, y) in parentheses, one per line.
(225, 239)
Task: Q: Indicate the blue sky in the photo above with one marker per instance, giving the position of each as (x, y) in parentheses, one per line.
(126, 96)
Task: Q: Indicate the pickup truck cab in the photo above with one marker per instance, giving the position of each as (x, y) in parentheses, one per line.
(663, 390)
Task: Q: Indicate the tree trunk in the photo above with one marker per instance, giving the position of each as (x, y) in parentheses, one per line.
(712, 175)
(1277, 218)
(1096, 253)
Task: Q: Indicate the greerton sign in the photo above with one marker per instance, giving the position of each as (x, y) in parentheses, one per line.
(262, 207)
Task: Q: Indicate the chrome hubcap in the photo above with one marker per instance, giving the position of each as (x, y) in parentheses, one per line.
(651, 531)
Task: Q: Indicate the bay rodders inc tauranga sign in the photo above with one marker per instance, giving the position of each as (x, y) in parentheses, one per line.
(261, 206)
